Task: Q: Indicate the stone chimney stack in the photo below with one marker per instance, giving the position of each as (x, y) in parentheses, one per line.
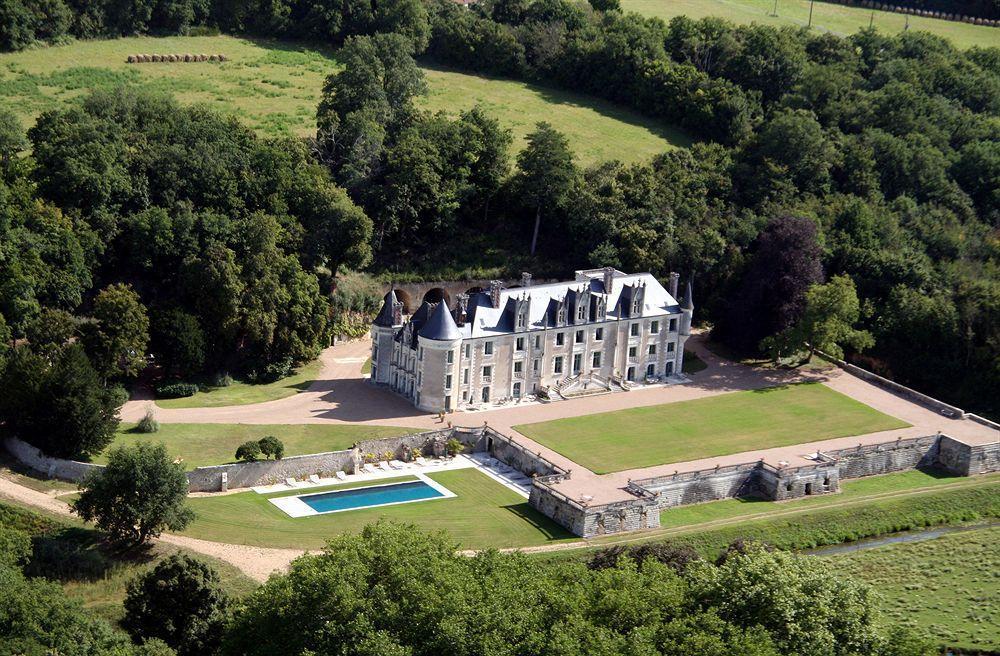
(609, 279)
(397, 314)
(525, 279)
(495, 287)
(462, 309)
(675, 279)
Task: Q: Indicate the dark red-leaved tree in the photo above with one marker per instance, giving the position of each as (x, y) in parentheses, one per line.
(771, 292)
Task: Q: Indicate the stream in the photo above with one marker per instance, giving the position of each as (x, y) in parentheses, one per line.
(916, 535)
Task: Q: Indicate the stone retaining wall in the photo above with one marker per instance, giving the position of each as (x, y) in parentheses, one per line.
(30, 456)
(885, 457)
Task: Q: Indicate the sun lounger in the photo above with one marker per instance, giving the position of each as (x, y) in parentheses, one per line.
(397, 464)
(369, 468)
(314, 478)
(290, 482)
(384, 466)
(420, 461)
(342, 476)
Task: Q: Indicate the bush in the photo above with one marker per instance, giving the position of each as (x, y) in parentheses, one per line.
(248, 451)
(148, 423)
(181, 602)
(176, 390)
(271, 446)
(271, 372)
(455, 447)
(222, 380)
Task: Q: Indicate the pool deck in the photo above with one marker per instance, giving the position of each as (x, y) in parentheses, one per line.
(294, 506)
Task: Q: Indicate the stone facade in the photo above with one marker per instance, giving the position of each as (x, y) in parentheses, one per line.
(603, 331)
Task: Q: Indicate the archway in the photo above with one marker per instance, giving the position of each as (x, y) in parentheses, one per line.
(404, 297)
(437, 295)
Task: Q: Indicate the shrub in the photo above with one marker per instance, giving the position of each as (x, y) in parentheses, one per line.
(176, 390)
(222, 380)
(271, 372)
(181, 602)
(455, 446)
(148, 423)
(271, 446)
(248, 451)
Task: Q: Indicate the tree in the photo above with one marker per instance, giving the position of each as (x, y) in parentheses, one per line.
(119, 339)
(178, 340)
(270, 446)
(546, 172)
(12, 137)
(140, 493)
(248, 451)
(50, 331)
(770, 296)
(181, 602)
(827, 324)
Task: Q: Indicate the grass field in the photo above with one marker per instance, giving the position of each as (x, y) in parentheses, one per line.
(948, 587)
(67, 552)
(275, 86)
(484, 514)
(214, 444)
(828, 17)
(703, 428)
(239, 393)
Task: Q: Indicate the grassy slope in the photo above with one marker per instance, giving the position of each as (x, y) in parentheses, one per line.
(72, 555)
(240, 393)
(839, 19)
(948, 587)
(714, 426)
(484, 514)
(275, 87)
(214, 444)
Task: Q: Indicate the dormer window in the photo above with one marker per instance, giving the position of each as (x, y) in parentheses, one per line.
(636, 306)
(581, 312)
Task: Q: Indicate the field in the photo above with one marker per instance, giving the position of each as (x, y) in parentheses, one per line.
(948, 587)
(67, 552)
(275, 86)
(829, 17)
(703, 428)
(239, 393)
(484, 514)
(215, 444)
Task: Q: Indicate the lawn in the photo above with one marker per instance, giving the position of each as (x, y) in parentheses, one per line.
(239, 393)
(484, 514)
(839, 19)
(215, 444)
(948, 587)
(275, 86)
(703, 428)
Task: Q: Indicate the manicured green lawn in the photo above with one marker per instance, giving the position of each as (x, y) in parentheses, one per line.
(215, 444)
(948, 587)
(714, 426)
(850, 490)
(830, 17)
(275, 86)
(239, 393)
(484, 514)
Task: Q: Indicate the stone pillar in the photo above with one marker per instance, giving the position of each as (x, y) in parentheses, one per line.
(224, 485)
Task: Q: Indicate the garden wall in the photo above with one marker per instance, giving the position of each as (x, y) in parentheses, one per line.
(30, 456)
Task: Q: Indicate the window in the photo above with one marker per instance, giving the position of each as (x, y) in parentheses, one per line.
(487, 373)
(673, 325)
(652, 349)
(519, 344)
(418, 398)
(581, 312)
(465, 395)
(597, 359)
(654, 327)
(557, 364)
(650, 370)
(517, 390)
(636, 306)
(420, 355)
(598, 334)
(488, 348)
(578, 338)
(577, 362)
(538, 341)
(560, 339)
(468, 350)
(420, 378)
(670, 347)
(465, 376)
(518, 367)
(486, 395)
(670, 368)
(451, 357)
(534, 366)
(632, 352)
(634, 330)
(447, 382)
(522, 319)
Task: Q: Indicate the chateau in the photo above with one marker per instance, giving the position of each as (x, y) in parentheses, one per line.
(603, 331)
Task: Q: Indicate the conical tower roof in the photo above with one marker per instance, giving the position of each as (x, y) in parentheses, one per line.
(384, 317)
(440, 326)
(688, 303)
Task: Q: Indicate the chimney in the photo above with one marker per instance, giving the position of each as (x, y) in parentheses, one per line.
(525, 279)
(609, 277)
(462, 309)
(397, 314)
(495, 287)
(675, 279)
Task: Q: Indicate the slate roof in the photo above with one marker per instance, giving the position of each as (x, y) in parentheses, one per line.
(440, 326)
(384, 318)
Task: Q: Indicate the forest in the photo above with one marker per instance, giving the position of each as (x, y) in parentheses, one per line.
(843, 192)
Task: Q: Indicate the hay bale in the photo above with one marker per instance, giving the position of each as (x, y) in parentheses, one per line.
(213, 58)
(222, 58)
(171, 58)
(130, 59)
(156, 57)
(202, 57)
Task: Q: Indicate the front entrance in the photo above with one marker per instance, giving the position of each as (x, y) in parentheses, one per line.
(650, 370)
(669, 369)
(631, 373)
(517, 390)
(447, 404)
(486, 395)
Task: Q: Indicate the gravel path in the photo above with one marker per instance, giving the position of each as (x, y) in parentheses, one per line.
(256, 562)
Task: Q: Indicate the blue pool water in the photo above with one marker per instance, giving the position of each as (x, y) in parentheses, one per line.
(366, 497)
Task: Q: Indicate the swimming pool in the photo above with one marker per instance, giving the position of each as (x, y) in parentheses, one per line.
(370, 496)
